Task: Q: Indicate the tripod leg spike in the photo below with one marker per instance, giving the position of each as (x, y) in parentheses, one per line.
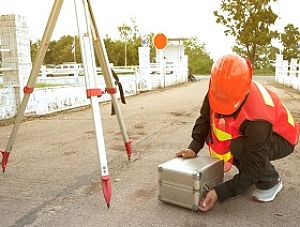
(5, 156)
(106, 188)
(128, 148)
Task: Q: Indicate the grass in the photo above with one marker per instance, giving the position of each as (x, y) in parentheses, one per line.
(42, 85)
(264, 72)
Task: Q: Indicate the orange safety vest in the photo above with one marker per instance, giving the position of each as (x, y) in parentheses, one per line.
(261, 104)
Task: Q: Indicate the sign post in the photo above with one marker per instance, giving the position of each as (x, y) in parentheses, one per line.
(160, 41)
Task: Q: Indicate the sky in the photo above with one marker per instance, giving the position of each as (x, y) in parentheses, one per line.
(188, 18)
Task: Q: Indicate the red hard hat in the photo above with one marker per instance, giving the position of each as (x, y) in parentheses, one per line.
(230, 82)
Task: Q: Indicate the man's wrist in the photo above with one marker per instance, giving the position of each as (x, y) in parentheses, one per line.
(222, 192)
(195, 146)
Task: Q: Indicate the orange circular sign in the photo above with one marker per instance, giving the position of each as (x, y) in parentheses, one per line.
(160, 41)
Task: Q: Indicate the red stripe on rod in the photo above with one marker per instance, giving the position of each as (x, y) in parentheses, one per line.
(111, 90)
(128, 148)
(106, 188)
(94, 92)
(5, 156)
(28, 90)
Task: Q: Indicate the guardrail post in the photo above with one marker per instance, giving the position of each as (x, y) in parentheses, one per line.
(16, 57)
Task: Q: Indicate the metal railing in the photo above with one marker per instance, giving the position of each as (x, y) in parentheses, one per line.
(287, 73)
(77, 70)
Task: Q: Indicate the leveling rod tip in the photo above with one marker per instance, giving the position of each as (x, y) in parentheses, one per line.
(5, 156)
(128, 148)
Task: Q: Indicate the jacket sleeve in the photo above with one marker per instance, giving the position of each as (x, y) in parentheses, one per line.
(201, 128)
(251, 154)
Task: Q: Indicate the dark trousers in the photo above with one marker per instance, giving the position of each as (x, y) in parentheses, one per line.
(278, 148)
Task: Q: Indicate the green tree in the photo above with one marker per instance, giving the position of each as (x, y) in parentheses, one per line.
(249, 22)
(136, 38)
(125, 32)
(199, 60)
(51, 56)
(59, 51)
(135, 43)
(115, 51)
(34, 46)
(265, 62)
(289, 39)
(131, 37)
(152, 48)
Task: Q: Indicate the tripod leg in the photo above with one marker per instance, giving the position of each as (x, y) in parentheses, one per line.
(89, 65)
(28, 89)
(107, 74)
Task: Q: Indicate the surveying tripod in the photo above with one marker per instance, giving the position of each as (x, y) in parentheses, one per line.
(89, 39)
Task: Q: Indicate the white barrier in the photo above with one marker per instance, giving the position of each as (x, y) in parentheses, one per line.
(287, 73)
(75, 77)
(72, 94)
(74, 69)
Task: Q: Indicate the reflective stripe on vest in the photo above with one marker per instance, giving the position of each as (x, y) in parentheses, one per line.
(265, 94)
(224, 157)
(221, 135)
(268, 101)
(290, 118)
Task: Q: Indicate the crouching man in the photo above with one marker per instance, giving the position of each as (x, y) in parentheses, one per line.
(245, 125)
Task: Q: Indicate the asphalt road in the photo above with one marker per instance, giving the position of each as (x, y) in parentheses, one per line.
(53, 178)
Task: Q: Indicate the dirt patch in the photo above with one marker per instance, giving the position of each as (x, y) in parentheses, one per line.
(139, 125)
(145, 192)
(68, 153)
(118, 147)
(189, 223)
(94, 188)
(118, 133)
(180, 114)
(90, 134)
(142, 133)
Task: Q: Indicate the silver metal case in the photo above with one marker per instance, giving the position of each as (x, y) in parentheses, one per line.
(182, 182)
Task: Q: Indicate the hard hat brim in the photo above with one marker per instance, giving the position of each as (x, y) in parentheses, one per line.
(221, 108)
(225, 106)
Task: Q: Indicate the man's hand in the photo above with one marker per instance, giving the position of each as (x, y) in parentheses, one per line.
(208, 202)
(188, 153)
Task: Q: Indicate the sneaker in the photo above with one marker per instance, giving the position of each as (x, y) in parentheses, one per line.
(267, 195)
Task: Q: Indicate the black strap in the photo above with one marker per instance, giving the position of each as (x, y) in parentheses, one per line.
(117, 82)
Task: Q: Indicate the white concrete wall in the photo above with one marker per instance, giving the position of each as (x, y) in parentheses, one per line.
(7, 103)
(52, 99)
(73, 92)
(16, 60)
(49, 100)
(14, 37)
(173, 53)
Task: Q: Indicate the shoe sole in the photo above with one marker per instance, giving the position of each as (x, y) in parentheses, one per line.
(254, 198)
